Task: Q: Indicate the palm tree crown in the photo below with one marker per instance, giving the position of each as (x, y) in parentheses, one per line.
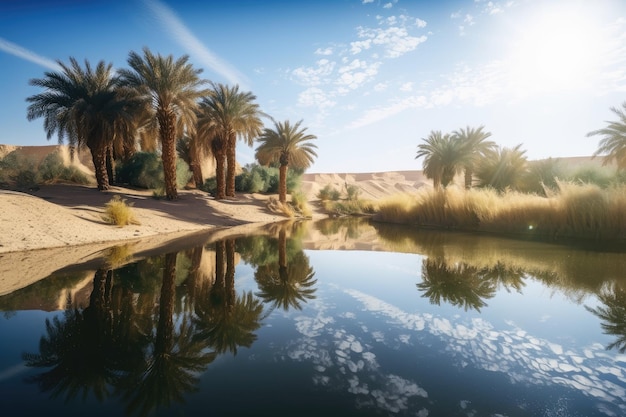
(443, 157)
(171, 89)
(86, 106)
(613, 143)
(289, 145)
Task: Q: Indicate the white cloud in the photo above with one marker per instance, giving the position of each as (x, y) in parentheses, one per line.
(368, 1)
(420, 23)
(324, 51)
(357, 73)
(388, 6)
(188, 40)
(315, 97)
(383, 112)
(20, 52)
(380, 87)
(395, 40)
(406, 86)
(312, 76)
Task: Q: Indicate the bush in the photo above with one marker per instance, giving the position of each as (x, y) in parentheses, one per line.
(145, 170)
(259, 179)
(18, 171)
(52, 169)
(328, 193)
(119, 213)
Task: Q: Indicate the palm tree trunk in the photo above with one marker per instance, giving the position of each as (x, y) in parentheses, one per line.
(282, 183)
(98, 156)
(220, 178)
(230, 274)
(110, 163)
(231, 164)
(468, 178)
(194, 164)
(165, 326)
(168, 151)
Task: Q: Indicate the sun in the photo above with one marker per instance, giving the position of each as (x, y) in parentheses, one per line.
(558, 48)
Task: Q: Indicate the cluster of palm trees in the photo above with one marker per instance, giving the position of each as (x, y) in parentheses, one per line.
(462, 151)
(488, 165)
(155, 102)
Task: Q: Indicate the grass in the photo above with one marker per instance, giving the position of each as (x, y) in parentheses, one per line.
(119, 213)
(572, 211)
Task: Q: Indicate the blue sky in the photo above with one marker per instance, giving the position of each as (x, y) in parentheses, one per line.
(369, 78)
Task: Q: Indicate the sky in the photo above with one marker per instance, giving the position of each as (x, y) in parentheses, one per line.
(370, 79)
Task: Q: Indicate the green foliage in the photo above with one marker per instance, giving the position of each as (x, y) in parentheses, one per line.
(600, 176)
(52, 169)
(352, 192)
(328, 193)
(145, 170)
(260, 179)
(18, 171)
(118, 212)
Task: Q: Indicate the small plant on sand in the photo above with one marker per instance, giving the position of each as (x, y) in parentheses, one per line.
(300, 204)
(118, 212)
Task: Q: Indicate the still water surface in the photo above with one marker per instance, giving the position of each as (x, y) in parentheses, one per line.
(327, 318)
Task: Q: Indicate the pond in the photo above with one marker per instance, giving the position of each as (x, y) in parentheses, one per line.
(345, 318)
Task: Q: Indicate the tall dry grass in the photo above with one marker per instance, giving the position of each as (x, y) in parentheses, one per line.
(572, 211)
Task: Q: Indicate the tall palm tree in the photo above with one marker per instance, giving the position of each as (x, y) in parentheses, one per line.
(613, 143)
(503, 168)
(171, 89)
(475, 144)
(228, 114)
(289, 145)
(443, 158)
(87, 106)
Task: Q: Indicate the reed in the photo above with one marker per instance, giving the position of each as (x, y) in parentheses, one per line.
(574, 210)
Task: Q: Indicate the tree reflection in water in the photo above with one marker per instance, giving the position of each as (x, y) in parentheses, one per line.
(613, 315)
(464, 285)
(289, 282)
(88, 351)
(226, 321)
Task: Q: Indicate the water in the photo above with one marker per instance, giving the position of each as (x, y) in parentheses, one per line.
(398, 322)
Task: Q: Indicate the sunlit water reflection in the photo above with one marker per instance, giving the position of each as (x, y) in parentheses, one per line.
(399, 322)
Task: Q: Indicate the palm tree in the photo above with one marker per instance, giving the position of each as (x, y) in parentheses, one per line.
(288, 145)
(443, 158)
(503, 168)
(613, 143)
(228, 114)
(86, 106)
(171, 89)
(475, 145)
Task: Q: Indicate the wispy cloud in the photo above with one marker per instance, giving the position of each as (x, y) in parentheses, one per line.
(20, 52)
(192, 44)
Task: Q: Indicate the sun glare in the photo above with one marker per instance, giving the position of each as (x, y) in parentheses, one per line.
(557, 49)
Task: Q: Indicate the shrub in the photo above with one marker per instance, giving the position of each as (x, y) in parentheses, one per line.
(145, 170)
(260, 179)
(352, 192)
(52, 169)
(119, 213)
(328, 193)
(18, 171)
(300, 203)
